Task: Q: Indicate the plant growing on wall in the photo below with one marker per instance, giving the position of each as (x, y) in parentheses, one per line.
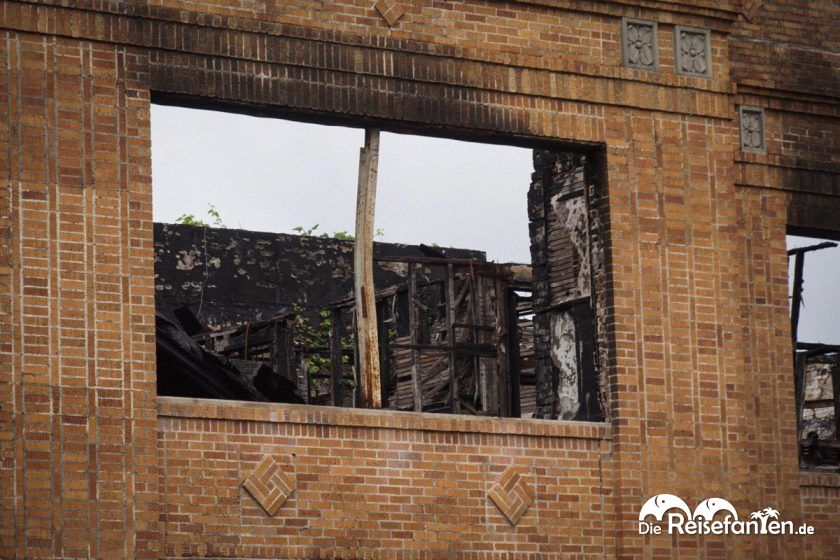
(214, 219)
(314, 336)
(342, 235)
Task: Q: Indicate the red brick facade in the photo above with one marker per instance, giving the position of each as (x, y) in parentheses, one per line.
(378, 484)
(699, 380)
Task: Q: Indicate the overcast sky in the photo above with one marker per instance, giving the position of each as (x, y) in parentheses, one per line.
(273, 175)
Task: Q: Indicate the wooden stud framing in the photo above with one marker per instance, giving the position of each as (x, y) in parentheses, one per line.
(336, 365)
(450, 335)
(412, 329)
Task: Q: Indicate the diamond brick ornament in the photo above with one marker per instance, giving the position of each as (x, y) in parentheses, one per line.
(269, 485)
(512, 494)
(390, 10)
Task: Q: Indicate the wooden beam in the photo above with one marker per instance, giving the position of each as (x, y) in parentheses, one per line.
(798, 268)
(366, 324)
(796, 304)
(502, 342)
(384, 353)
(336, 365)
(513, 354)
(412, 330)
(450, 335)
(800, 361)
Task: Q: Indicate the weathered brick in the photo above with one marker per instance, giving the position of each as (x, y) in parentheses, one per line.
(693, 330)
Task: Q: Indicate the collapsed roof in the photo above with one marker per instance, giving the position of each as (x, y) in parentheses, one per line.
(186, 368)
(215, 288)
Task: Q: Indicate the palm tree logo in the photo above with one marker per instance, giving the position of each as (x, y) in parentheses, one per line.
(763, 516)
(770, 512)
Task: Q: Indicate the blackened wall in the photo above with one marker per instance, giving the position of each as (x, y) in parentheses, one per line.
(231, 276)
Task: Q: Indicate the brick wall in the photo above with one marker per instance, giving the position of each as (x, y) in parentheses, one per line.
(77, 378)
(702, 355)
(698, 377)
(821, 505)
(378, 484)
(784, 59)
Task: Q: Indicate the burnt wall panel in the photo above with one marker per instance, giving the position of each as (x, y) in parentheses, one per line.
(228, 277)
(566, 351)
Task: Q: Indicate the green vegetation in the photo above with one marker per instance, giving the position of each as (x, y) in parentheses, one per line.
(316, 336)
(215, 219)
(343, 235)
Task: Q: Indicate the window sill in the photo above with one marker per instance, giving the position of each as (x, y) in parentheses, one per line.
(210, 409)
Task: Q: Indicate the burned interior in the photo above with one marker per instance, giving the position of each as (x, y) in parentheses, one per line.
(816, 369)
(262, 316)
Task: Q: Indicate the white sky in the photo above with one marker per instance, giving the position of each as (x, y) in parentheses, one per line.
(273, 175)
